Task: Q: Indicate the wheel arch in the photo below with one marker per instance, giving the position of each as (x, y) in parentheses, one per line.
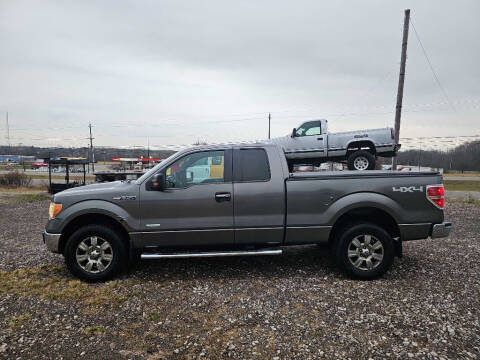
(355, 145)
(367, 214)
(92, 218)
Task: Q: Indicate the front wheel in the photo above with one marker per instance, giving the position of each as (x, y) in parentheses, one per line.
(364, 251)
(95, 253)
(361, 160)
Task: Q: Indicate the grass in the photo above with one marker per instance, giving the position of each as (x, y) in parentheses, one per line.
(462, 185)
(154, 316)
(467, 173)
(27, 198)
(22, 190)
(17, 321)
(95, 330)
(468, 200)
(49, 282)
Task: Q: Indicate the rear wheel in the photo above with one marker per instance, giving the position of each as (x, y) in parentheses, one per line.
(95, 253)
(364, 251)
(361, 160)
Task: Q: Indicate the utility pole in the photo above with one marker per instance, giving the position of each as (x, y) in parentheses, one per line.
(91, 148)
(269, 118)
(8, 133)
(401, 80)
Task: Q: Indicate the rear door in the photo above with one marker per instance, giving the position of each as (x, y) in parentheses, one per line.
(258, 188)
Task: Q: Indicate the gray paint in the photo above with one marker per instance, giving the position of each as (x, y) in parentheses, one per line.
(288, 209)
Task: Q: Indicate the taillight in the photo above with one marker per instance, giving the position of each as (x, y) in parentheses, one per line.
(436, 194)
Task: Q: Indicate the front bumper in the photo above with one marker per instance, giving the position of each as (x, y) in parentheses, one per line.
(441, 230)
(52, 241)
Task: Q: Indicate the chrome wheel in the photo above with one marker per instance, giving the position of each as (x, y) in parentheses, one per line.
(365, 252)
(94, 254)
(361, 163)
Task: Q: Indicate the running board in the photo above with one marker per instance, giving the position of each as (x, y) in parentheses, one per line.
(211, 254)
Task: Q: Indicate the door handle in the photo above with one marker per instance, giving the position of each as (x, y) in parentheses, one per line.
(222, 196)
(320, 138)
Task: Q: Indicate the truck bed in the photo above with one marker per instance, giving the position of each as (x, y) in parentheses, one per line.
(360, 174)
(313, 206)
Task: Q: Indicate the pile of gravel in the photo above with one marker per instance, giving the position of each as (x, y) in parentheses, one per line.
(294, 306)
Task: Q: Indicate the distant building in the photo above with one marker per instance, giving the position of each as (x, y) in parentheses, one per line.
(16, 158)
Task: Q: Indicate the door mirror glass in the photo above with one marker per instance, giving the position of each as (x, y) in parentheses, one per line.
(294, 132)
(158, 182)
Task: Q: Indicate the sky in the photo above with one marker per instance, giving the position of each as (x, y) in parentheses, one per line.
(170, 73)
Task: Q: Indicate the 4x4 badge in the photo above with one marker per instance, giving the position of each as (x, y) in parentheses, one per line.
(405, 189)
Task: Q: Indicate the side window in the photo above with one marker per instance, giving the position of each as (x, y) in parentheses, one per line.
(309, 128)
(197, 168)
(253, 165)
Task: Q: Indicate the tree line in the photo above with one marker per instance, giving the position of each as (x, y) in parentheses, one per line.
(464, 157)
(101, 154)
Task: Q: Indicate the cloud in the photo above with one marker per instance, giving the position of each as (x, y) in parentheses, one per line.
(177, 71)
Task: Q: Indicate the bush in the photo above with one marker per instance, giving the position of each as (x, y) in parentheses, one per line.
(15, 178)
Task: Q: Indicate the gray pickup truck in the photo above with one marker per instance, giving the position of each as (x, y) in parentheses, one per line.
(311, 143)
(237, 200)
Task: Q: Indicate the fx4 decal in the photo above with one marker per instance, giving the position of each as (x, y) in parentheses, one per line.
(405, 189)
(125, 197)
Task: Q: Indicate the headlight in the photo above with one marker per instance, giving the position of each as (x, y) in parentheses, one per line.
(54, 210)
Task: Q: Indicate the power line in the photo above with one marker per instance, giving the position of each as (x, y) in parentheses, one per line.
(91, 148)
(431, 67)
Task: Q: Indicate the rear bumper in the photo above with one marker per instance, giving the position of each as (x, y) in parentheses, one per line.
(52, 241)
(424, 230)
(441, 230)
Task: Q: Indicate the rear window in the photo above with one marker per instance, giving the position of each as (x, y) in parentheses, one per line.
(253, 165)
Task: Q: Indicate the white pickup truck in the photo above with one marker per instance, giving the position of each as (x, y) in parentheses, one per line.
(312, 143)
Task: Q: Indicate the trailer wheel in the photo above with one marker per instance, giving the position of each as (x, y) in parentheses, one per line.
(361, 160)
(364, 251)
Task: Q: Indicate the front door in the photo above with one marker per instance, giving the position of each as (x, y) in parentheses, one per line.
(196, 206)
(308, 141)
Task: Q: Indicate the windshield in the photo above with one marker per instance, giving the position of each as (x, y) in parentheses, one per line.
(154, 169)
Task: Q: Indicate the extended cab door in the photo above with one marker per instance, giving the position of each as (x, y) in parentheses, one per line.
(308, 141)
(259, 189)
(196, 206)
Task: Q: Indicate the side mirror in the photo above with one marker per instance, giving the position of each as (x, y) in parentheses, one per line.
(294, 132)
(158, 182)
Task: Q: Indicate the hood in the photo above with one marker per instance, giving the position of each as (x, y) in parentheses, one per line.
(99, 191)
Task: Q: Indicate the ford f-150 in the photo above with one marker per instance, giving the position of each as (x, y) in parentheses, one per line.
(244, 202)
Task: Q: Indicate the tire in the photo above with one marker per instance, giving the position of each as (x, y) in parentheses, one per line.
(361, 160)
(352, 258)
(99, 245)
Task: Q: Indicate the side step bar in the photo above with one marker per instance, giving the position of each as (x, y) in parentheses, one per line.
(211, 254)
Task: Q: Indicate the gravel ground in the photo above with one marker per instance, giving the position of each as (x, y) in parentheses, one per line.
(294, 306)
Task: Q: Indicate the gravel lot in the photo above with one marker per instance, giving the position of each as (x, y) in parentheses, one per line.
(295, 306)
